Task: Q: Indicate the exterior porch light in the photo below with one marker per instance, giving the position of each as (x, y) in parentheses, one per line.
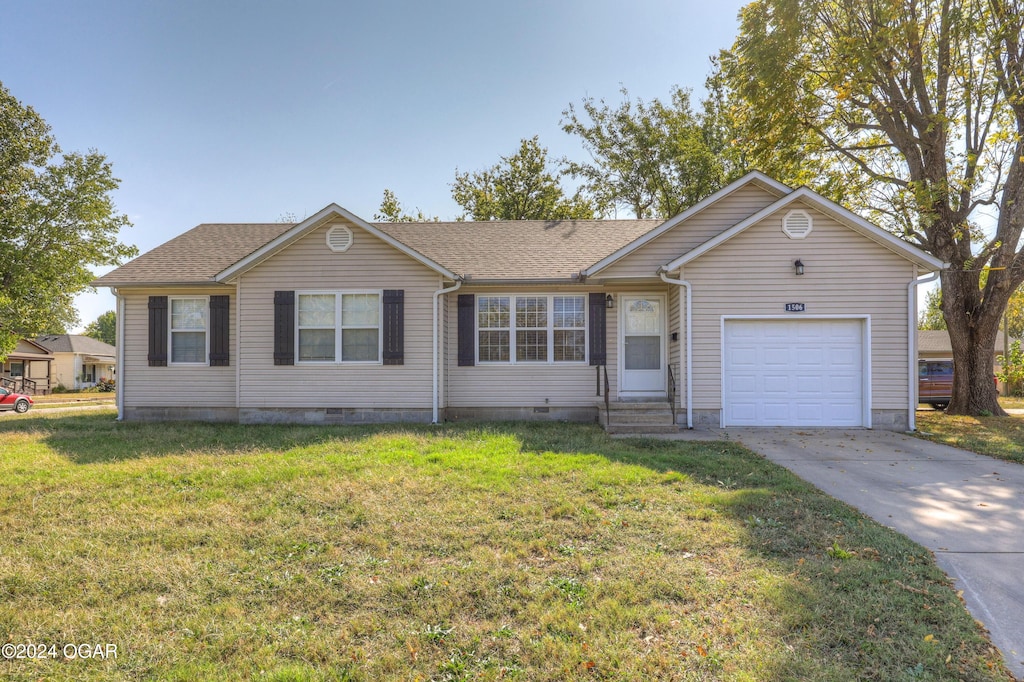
(798, 266)
(609, 302)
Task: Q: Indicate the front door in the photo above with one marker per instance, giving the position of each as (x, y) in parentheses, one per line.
(642, 343)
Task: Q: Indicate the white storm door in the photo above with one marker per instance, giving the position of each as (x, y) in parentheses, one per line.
(642, 339)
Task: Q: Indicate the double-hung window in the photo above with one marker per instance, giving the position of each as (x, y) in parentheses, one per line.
(339, 327)
(527, 329)
(188, 338)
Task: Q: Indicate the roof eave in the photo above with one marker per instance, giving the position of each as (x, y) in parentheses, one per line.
(150, 285)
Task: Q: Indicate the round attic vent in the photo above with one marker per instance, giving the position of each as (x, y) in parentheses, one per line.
(797, 224)
(339, 238)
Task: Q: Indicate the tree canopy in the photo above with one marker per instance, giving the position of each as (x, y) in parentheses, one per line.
(655, 159)
(911, 111)
(57, 218)
(519, 187)
(391, 211)
(103, 328)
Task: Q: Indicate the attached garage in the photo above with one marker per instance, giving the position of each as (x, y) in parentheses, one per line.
(796, 372)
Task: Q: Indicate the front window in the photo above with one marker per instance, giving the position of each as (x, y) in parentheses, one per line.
(543, 329)
(188, 330)
(339, 325)
(17, 369)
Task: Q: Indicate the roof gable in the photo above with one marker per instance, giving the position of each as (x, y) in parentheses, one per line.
(754, 177)
(830, 208)
(328, 213)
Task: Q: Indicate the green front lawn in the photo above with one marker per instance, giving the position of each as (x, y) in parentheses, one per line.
(503, 551)
(1001, 437)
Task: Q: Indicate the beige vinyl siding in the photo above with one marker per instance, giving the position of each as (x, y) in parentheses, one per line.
(675, 348)
(529, 384)
(524, 384)
(64, 370)
(691, 233)
(845, 274)
(368, 265)
(171, 386)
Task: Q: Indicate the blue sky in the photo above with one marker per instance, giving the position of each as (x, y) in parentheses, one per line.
(221, 111)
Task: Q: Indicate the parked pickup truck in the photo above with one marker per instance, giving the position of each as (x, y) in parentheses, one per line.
(935, 382)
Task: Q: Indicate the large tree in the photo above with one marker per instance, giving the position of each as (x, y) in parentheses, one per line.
(912, 110)
(653, 159)
(519, 187)
(57, 219)
(103, 328)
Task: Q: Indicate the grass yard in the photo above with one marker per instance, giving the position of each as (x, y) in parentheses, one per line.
(466, 552)
(1001, 437)
(72, 399)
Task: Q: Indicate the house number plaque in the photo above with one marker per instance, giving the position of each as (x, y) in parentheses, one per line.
(795, 307)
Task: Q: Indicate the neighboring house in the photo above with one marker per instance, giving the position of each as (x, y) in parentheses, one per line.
(27, 368)
(760, 305)
(79, 361)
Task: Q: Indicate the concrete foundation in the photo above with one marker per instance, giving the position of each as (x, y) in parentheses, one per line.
(541, 413)
(331, 415)
(884, 420)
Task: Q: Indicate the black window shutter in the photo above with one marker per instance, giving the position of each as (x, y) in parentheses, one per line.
(598, 316)
(467, 330)
(157, 331)
(220, 325)
(284, 327)
(394, 327)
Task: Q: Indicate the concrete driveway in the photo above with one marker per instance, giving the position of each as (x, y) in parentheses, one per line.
(966, 508)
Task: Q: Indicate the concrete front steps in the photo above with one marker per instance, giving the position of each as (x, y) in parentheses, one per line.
(637, 417)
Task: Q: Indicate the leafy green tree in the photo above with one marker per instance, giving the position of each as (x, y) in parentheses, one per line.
(57, 219)
(931, 317)
(654, 159)
(1012, 370)
(104, 328)
(910, 110)
(391, 211)
(520, 187)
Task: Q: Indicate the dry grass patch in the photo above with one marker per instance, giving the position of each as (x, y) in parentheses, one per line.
(505, 551)
(1001, 437)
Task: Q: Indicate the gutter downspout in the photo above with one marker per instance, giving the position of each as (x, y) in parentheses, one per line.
(689, 346)
(119, 395)
(912, 347)
(435, 392)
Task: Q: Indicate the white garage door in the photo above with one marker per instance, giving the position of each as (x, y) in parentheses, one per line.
(793, 373)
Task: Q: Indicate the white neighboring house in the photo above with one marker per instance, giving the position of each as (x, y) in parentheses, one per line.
(79, 361)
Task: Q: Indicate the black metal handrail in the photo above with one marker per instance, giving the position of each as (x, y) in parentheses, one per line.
(672, 392)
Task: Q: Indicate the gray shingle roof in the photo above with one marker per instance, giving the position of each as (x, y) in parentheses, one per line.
(75, 343)
(518, 249)
(195, 256)
(937, 341)
(505, 250)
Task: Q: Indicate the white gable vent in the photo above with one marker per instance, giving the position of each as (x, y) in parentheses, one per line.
(797, 224)
(339, 238)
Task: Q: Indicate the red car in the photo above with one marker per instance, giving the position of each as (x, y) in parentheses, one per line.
(18, 402)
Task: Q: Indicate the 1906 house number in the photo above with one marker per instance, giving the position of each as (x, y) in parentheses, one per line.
(795, 307)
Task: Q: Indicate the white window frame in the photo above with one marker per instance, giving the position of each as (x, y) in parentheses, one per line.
(339, 327)
(171, 330)
(550, 327)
